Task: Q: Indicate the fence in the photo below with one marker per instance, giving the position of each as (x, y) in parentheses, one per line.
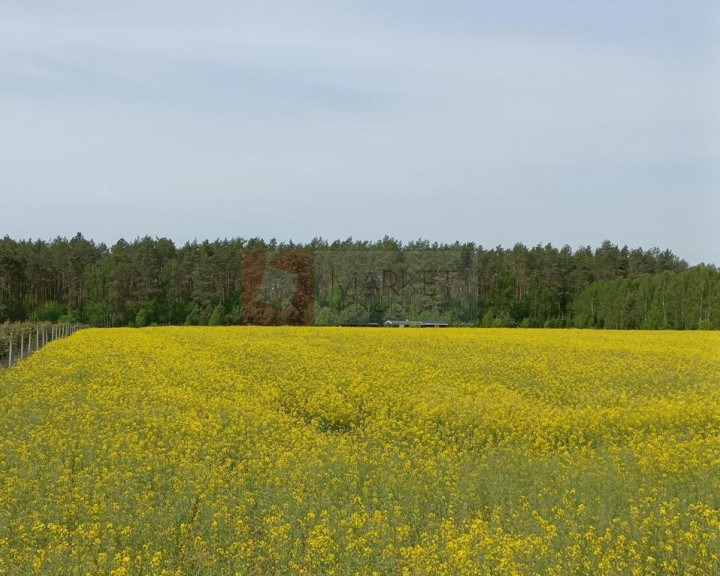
(17, 341)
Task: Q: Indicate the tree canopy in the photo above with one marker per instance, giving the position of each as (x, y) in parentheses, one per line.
(153, 281)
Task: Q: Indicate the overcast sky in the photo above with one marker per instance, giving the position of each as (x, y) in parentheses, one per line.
(489, 121)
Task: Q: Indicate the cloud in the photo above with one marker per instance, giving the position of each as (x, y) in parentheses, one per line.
(188, 119)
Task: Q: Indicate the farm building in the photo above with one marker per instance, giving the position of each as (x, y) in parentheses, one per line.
(400, 323)
(419, 323)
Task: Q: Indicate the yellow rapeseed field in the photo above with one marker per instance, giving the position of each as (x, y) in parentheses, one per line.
(268, 451)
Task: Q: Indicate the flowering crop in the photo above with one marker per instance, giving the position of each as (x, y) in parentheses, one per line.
(260, 451)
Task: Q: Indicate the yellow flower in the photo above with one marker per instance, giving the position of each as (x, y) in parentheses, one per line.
(169, 451)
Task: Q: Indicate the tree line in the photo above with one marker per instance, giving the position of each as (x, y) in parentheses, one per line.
(153, 281)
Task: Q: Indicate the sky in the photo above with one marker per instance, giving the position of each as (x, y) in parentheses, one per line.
(563, 122)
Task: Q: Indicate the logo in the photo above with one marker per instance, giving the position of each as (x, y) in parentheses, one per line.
(278, 288)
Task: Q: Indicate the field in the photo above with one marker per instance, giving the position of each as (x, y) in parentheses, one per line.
(261, 451)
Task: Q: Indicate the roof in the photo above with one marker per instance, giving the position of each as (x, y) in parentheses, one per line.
(421, 323)
(401, 323)
(433, 323)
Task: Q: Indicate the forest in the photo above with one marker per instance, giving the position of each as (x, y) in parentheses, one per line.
(153, 281)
